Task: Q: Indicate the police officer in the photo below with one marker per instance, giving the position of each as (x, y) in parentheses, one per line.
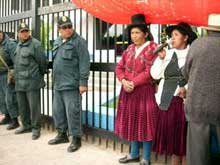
(8, 101)
(70, 75)
(30, 66)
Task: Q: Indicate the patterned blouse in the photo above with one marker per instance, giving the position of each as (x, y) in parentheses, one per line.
(136, 68)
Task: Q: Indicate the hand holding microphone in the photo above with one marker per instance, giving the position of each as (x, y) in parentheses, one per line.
(160, 48)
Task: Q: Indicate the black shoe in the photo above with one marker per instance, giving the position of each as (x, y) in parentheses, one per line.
(14, 124)
(60, 138)
(145, 162)
(75, 144)
(6, 120)
(128, 159)
(22, 130)
(35, 136)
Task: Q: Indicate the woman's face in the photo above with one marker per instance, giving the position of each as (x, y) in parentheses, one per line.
(138, 37)
(179, 41)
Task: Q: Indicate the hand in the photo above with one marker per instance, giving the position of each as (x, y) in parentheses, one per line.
(182, 92)
(82, 89)
(162, 54)
(128, 85)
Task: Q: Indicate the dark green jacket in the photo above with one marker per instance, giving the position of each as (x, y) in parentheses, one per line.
(7, 49)
(30, 66)
(71, 64)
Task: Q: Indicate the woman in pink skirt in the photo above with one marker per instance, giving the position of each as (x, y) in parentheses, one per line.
(170, 136)
(137, 108)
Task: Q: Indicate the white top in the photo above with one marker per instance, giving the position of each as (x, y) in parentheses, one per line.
(159, 66)
(139, 50)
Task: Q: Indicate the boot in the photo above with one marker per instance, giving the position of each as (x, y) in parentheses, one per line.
(35, 135)
(6, 120)
(22, 130)
(75, 144)
(14, 124)
(60, 138)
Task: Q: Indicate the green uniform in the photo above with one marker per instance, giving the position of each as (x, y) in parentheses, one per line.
(71, 68)
(8, 101)
(30, 66)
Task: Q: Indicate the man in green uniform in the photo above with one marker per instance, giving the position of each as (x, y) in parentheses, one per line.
(70, 75)
(8, 101)
(30, 67)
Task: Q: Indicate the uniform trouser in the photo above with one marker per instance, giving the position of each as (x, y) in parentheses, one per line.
(198, 142)
(67, 111)
(30, 108)
(8, 100)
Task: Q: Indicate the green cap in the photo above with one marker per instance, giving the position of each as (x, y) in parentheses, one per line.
(63, 21)
(23, 26)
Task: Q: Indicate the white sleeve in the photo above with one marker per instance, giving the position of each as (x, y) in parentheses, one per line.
(157, 69)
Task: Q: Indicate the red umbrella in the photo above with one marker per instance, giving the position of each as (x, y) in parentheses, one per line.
(194, 12)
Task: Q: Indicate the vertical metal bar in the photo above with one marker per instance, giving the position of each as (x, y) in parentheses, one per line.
(107, 81)
(80, 10)
(87, 39)
(93, 72)
(7, 7)
(3, 8)
(58, 15)
(100, 75)
(43, 44)
(47, 75)
(35, 19)
(53, 35)
(159, 32)
(74, 18)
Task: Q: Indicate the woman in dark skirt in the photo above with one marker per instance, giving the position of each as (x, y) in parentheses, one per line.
(137, 107)
(170, 136)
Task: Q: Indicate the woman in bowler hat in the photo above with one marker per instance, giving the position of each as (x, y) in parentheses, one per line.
(137, 108)
(171, 125)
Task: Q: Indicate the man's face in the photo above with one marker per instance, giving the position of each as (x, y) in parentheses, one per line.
(1, 36)
(23, 35)
(66, 31)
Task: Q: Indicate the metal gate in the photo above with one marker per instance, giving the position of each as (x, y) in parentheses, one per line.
(105, 43)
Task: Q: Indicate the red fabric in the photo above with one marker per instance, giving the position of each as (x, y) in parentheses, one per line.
(194, 12)
(136, 69)
(171, 130)
(137, 114)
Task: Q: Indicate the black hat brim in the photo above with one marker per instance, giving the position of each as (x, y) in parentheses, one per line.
(22, 29)
(191, 34)
(131, 26)
(65, 24)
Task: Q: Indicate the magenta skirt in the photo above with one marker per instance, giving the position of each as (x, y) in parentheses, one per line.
(171, 128)
(137, 114)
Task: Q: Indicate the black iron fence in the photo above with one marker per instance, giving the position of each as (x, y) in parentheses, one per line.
(105, 43)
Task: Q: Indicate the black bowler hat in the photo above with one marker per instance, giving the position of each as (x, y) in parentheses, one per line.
(183, 28)
(139, 21)
(64, 21)
(23, 26)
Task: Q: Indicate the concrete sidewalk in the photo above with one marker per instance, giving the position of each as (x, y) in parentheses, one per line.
(22, 150)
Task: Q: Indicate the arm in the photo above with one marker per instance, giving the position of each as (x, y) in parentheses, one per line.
(11, 49)
(41, 59)
(84, 66)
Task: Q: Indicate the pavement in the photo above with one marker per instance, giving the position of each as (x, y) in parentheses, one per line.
(22, 150)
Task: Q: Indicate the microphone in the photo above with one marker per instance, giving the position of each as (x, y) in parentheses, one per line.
(158, 49)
